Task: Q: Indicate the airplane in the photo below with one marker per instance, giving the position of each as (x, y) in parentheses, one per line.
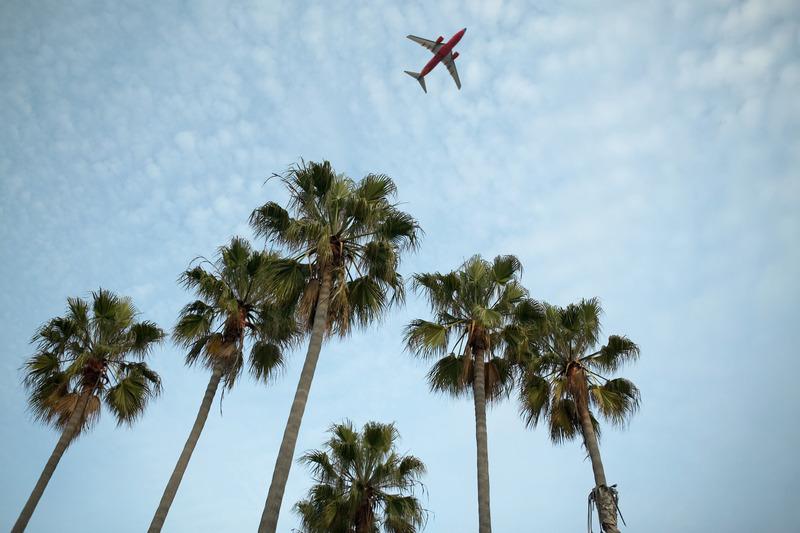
(442, 52)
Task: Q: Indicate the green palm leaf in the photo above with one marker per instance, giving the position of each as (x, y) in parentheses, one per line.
(266, 360)
(136, 384)
(617, 399)
(618, 351)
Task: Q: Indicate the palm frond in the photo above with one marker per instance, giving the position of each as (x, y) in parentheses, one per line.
(618, 351)
(410, 467)
(77, 314)
(378, 437)
(399, 228)
(289, 278)
(137, 384)
(617, 399)
(535, 398)
(505, 268)
(380, 260)
(440, 289)
(45, 394)
(403, 514)
(426, 338)
(65, 407)
(205, 284)
(266, 361)
(563, 420)
(498, 378)
(487, 318)
(366, 300)
(195, 350)
(528, 311)
(145, 335)
(375, 187)
(194, 323)
(451, 375)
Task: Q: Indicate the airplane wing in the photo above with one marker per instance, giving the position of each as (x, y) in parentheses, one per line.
(450, 63)
(430, 45)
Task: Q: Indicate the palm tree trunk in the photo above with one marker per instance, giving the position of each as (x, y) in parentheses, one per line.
(69, 433)
(604, 498)
(365, 518)
(283, 463)
(183, 461)
(481, 439)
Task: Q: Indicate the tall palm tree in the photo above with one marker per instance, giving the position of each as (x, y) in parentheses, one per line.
(344, 239)
(234, 306)
(475, 308)
(562, 382)
(92, 355)
(362, 484)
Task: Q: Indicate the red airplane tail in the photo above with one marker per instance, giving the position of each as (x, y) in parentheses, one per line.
(420, 79)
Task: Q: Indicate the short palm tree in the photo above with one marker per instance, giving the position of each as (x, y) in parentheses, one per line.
(344, 239)
(562, 382)
(92, 355)
(474, 307)
(362, 484)
(234, 306)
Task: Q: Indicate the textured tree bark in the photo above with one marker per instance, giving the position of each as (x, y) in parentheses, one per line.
(183, 460)
(283, 463)
(69, 433)
(606, 508)
(365, 518)
(481, 439)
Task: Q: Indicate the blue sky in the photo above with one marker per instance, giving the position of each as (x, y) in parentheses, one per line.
(647, 153)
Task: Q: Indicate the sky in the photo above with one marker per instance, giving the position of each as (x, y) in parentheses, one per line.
(647, 153)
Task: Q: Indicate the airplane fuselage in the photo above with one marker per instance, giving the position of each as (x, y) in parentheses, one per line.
(443, 52)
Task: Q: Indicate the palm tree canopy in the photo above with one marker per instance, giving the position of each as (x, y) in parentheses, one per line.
(476, 310)
(362, 484)
(562, 346)
(98, 347)
(353, 230)
(235, 305)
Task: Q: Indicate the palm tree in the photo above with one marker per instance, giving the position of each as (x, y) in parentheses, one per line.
(344, 239)
(475, 309)
(234, 305)
(562, 383)
(362, 484)
(94, 354)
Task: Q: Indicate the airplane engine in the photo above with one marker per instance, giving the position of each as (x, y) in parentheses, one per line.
(455, 55)
(439, 40)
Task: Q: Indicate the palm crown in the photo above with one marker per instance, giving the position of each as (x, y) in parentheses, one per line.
(235, 305)
(563, 368)
(96, 349)
(362, 484)
(351, 231)
(475, 309)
